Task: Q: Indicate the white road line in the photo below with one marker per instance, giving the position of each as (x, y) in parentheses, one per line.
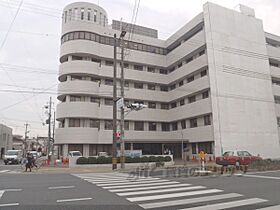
(9, 204)
(102, 175)
(4, 171)
(263, 177)
(130, 182)
(73, 199)
(271, 208)
(12, 190)
(118, 181)
(150, 188)
(188, 201)
(161, 191)
(141, 185)
(173, 195)
(60, 187)
(1, 193)
(228, 205)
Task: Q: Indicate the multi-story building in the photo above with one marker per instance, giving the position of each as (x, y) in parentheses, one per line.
(6, 139)
(213, 85)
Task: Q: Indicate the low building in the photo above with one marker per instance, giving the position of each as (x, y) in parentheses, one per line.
(6, 139)
(18, 142)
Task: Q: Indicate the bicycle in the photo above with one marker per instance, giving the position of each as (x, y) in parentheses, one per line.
(37, 164)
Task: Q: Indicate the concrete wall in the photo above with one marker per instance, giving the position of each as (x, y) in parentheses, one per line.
(6, 139)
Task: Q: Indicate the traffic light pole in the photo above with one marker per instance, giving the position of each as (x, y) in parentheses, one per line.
(114, 146)
(122, 143)
(49, 130)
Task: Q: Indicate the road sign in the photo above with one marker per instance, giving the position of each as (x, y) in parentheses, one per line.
(120, 103)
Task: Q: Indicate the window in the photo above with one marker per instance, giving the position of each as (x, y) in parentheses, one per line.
(165, 127)
(189, 60)
(139, 126)
(181, 83)
(151, 87)
(126, 83)
(126, 65)
(109, 101)
(89, 14)
(108, 125)
(152, 126)
(87, 35)
(74, 58)
(109, 82)
(207, 120)
(172, 69)
(172, 87)
(65, 17)
(94, 123)
(190, 79)
(95, 100)
(82, 13)
(76, 35)
(82, 35)
(164, 88)
(203, 73)
(77, 98)
(173, 105)
(94, 15)
(191, 99)
(74, 122)
(205, 94)
(109, 63)
(202, 53)
(193, 123)
(138, 67)
(277, 100)
(76, 14)
(164, 106)
(70, 14)
(193, 148)
(179, 65)
(152, 105)
(273, 64)
(183, 124)
(278, 121)
(174, 126)
(182, 102)
(138, 85)
(151, 69)
(126, 125)
(163, 71)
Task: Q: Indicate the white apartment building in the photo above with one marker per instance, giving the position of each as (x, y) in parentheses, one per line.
(214, 85)
(6, 139)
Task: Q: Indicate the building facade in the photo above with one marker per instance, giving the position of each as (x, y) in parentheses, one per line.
(212, 86)
(6, 139)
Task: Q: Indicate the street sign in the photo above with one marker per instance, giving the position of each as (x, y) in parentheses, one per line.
(120, 103)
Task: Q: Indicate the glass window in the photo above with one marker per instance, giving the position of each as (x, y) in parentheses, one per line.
(203, 73)
(174, 126)
(152, 105)
(109, 82)
(95, 100)
(193, 122)
(126, 125)
(163, 71)
(138, 67)
(139, 126)
(82, 35)
(190, 79)
(189, 60)
(165, 127)
(202, 53)
(87, 35)
(164, 106)
(172, 87)
(205, 94)
(152, 126)
(109, 63)
(71, 36)
(207, 120)
(126, 83)
(191, 99)
(108, 125)
(108, 101)
(182, 102)
(82, 13)
(94, 123)
(193, 148)
(126, 65)
(75, 98)
(94, 15)
(89, 14)
(181, 83)
(180, 64)
(164, 88)
(151, 69)
(65, 17)
(76, 35)
(92, 36)
(151, 87)
(183, 124)
(70, 14)
(76, 14)
(173, 105)
(138, 85)
(74, 122)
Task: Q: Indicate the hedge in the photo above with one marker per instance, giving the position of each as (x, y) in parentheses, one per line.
(108, 160)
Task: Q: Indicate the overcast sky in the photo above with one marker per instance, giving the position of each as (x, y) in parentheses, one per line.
(29, 53)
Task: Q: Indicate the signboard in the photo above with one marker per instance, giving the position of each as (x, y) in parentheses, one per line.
(130, 153)
(120, 103)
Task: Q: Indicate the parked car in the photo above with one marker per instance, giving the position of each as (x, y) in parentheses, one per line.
(236, 158)
(34, 154)
(13, 156)
(102, 154)
(75, 154)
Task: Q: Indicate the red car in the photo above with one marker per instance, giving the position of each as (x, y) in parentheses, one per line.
(236, 158)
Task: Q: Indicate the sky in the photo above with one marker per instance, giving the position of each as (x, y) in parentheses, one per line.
(30, 43)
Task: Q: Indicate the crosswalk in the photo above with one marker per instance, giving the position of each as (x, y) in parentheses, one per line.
(9, 172)
(151, 192)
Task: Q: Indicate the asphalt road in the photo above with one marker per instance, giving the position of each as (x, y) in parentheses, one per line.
(116, 191)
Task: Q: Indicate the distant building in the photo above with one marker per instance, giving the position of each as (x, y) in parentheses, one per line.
(6, 139)
(214, 85)
(18, 142)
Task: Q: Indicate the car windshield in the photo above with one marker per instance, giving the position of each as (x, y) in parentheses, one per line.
(76, 153)
(12, 153)
(228, 153)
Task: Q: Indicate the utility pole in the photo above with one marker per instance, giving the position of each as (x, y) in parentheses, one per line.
(25, 139)
(49, 130)
(53, 132)
(122, 143)
(114, 146)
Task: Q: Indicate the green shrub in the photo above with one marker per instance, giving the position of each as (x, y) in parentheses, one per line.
(82, 160)
(145, 159)
(167, 159)
(136, 160)
(152, 159)
(160, 159)
(129, 160)
(92, 160)
(101, 160)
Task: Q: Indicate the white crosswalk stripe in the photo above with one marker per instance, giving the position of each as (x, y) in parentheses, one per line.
(149, 193)
(4, 171)
(271, 208)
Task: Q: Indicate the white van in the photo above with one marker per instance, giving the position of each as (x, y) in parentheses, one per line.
(13, 156)
(75, 154)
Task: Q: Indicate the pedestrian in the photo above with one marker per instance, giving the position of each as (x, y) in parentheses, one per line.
(33, 161)
(29, 162)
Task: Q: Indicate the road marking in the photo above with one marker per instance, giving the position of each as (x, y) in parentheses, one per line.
(4, 171)
(271, 208)
(60, 187)
(150, 188)
(12, 190)
(9, 204)
(228, 205)
(130, 182)
(189, 201)
(118, 181)
(141, 185)
(173, 195)
(1, 193)
(264, 177)
(161, 191)
(73, 199)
